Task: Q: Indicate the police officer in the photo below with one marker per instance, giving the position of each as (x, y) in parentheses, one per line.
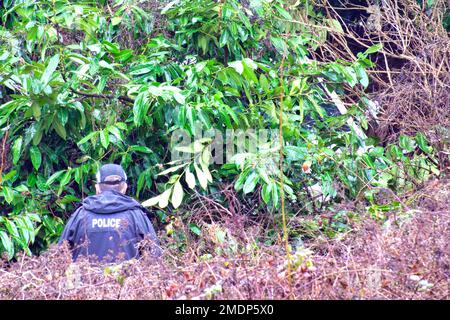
(109, 223)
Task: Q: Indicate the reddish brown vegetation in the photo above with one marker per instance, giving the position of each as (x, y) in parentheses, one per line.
(374, 261)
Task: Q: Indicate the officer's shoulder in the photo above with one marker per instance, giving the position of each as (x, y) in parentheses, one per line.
(78, 213)
(141, 211)
(137, 206)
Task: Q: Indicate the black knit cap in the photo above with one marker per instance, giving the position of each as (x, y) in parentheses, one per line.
(108, 170)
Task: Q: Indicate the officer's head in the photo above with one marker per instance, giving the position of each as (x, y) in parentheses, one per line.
(111, 177)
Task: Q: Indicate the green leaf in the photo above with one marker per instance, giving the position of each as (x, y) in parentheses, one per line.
(115, 131)
(8, 194)
(177, 194)
(116, 20)
(264, 83)
(316, 106)
(350, 76)
(249, 63)
(238, 66)
(12, 228)
(164, 198)
(124, 55)
(203, 42)
(202, 179)
(60, 129)
(190, 179)
(375, 48)
(151, 202)
(265, 193)
(195, 229)
(63, 116)
(179, 97)
(406, 143)
(65, 179)
(8, 176)
(111, 47)
(142, 149)
(249, 74)
(205, 170)
(25, 232)
(86, 138)
(171, 169)
(53, 177)
(335, 25)
(224, 37)
(362, 75)
(423, 143)
(50, 70)
(140, 182)
(275, 194)
(263, 174)
(36, 157)
(251, 182)
(7, 244)
(241, 180)
(368, 160)
(104, 138)
(36, 110)
(395, 151)
(105, 65)
(220, 236)
(280, 45)
(16, 149)
(38, 135)
(283, 12)
(140, 108)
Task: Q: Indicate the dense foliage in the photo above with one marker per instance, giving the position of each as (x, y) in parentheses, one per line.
(84, 83)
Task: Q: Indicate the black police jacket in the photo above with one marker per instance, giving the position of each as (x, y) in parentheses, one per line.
(109, 224)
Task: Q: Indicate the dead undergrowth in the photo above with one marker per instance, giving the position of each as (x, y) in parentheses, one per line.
(410, 80)
(406, 257)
